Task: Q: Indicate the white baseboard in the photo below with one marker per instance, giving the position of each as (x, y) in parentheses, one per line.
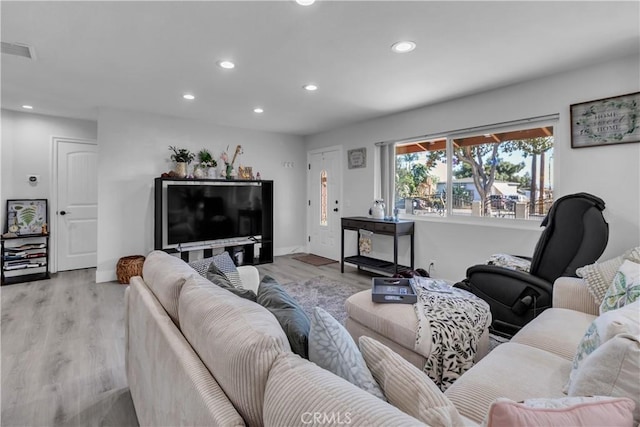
(288, 250)
(106, 276)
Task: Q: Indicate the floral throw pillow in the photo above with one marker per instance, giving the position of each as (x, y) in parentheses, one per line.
(625, 288)
(602, 329)
(612, 370)
(332, 348)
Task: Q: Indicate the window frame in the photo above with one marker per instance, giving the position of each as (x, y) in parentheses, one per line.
(449, 136)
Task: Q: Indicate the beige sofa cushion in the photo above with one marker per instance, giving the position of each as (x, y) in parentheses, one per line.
(163, 369)
(300, 393)
(572, 293)
(165, 274)
(514, 371)
(407, 387)
(398, 322)
(556, 330)
(238, 340)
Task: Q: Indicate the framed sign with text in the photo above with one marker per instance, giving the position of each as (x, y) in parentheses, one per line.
(357, 158)
(614, 120)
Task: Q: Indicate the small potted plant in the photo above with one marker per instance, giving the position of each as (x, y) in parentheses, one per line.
(182, 157)
(207, 164)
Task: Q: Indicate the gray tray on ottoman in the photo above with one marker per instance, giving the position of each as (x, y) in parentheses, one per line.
(392, 290)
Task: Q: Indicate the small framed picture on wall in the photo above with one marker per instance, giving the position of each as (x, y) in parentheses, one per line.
(357, 158)
(27, 217)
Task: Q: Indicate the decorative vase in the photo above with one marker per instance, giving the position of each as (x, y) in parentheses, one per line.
(181, 169)
(229, 172)
(198, 172)
(377, 210)
(212, 173)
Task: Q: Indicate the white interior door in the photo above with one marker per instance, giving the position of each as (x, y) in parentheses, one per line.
(77, 205)
(325, 186)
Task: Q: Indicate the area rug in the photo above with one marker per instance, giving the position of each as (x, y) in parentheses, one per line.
(322, 292)
(314, 260)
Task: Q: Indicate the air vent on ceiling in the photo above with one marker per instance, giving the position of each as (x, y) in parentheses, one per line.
(18, 49)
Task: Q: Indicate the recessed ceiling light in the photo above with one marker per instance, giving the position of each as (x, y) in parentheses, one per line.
(28, 107)
(310, 87)
(226, 64)
(258, 110)
(305, 2)
(188, 96)
(403, 46)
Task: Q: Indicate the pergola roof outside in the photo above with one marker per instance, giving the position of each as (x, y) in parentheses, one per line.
(440, 143)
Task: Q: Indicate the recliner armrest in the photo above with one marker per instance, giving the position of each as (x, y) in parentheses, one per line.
(512, 274)
(572, 293)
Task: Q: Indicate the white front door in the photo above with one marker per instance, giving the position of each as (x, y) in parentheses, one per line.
(325, 186)
(77, 204)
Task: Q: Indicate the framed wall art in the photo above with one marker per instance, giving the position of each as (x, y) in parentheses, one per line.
(607, 121)
(357, 158)
(26, 217)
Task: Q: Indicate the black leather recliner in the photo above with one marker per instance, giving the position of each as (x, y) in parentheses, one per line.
(576, 234)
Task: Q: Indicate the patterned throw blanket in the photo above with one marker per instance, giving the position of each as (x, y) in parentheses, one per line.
(450, 323)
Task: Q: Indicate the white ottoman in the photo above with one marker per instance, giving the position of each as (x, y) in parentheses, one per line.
(394, 325)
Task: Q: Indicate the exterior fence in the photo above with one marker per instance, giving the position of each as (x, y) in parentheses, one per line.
(462, 204)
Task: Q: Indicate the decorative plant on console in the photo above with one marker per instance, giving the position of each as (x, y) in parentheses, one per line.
(182, 157)
(229, 172)
(207, 165)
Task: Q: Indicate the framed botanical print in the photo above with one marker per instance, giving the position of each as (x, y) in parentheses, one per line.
(26, 216)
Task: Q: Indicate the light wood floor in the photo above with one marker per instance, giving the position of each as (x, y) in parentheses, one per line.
(62, 346)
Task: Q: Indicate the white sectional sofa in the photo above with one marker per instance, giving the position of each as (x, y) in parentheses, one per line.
(198, 355)
(537, 361)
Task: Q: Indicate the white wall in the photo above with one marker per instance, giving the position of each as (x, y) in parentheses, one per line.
(610, 172)
(27, 149)
(133, 150)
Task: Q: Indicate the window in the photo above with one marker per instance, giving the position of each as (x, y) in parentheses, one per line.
(497, 173)
(323, 198)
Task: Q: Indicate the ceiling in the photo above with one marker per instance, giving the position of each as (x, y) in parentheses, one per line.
(145, 55)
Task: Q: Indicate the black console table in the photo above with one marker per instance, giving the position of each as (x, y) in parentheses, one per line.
(378, 226)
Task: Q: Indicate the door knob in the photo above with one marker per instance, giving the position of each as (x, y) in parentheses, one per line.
(335, 209)
(64, 212)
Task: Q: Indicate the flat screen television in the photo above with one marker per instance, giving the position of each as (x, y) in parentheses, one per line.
(210, 212)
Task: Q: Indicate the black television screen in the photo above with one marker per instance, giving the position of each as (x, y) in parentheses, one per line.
(200, 213)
